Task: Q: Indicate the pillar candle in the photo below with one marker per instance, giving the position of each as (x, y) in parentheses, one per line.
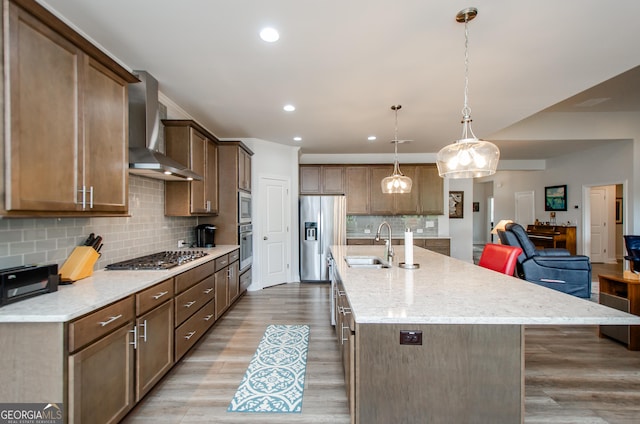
(408, 247)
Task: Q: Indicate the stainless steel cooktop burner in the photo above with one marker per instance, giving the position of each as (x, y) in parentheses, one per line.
(157, 261)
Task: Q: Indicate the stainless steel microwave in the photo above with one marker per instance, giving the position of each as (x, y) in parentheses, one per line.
(244, 208)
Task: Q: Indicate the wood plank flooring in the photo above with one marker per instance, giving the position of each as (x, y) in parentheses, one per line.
(572, 375)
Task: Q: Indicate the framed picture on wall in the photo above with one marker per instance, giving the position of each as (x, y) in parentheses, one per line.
(618, 210)
(555, 198)
(456, 204)
(476, 206)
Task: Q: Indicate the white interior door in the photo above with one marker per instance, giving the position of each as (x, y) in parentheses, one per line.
(525, 208)
(599, 240)
(274, 240)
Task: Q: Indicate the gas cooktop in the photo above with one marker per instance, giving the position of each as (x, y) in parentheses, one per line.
(157, 261)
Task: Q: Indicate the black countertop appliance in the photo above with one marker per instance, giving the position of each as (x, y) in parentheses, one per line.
(27, 281)
(205, 235)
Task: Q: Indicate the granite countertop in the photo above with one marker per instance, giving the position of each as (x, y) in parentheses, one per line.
(91, 293)
(445, 290)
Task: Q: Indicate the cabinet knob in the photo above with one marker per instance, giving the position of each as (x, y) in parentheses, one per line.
(265, 238)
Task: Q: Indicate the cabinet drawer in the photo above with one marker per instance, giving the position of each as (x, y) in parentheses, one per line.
(192, 330)
(245, 280)
(234, 256)
(148, 299)
(95, 325)
(190, 301)
(194, 275)
(221, 262)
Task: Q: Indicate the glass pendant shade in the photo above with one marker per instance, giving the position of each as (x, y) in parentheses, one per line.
(396, 182)
(468, 158)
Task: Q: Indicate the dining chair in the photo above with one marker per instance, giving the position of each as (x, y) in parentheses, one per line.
(500, 257)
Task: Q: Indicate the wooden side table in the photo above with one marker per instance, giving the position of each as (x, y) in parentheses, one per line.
(622, 294)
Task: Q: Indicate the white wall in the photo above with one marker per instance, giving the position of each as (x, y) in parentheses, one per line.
(274, 161)
(461, 230)
(481, 226)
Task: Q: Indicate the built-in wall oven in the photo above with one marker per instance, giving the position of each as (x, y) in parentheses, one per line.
(245, 236)
(244, 208)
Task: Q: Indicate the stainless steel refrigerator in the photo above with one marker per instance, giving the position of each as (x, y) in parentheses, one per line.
(322, 223)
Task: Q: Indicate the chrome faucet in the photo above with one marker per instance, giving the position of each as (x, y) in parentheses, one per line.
(388, 250)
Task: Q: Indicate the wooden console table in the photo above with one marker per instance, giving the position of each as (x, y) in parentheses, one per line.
(544, 236)
(622, 294)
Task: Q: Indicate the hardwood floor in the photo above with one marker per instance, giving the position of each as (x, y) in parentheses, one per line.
(572, 375)
(199, 389)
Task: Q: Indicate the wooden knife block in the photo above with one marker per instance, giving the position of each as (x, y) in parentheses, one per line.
(79, 264)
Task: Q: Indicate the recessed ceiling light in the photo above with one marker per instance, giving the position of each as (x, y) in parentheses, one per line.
(297, 138)
(371, 138)
(270, 35)
(289, 108)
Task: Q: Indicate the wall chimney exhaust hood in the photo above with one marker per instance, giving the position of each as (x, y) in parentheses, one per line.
(144, 131)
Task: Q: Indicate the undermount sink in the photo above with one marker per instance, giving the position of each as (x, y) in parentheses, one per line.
(366, 262)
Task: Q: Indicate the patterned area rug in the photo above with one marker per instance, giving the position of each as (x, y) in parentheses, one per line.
(274, 381)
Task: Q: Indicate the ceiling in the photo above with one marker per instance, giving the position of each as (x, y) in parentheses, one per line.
(344, 63)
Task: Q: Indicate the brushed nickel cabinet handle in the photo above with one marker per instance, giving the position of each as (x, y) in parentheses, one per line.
(208, 317)
(144, 335)
(110, 320)
(159, 295)
(342, 339)
(189, 304)
(135, 337)
(188, 336)
(209, 290)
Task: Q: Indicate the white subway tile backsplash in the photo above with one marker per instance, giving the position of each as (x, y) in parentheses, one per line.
(51, 240)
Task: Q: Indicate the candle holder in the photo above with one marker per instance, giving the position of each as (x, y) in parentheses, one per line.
(405, 266)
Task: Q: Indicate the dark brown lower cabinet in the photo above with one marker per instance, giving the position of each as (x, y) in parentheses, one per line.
(154, 356)
(101, 379)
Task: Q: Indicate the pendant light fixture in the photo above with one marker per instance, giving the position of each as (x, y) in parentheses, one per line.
(396, 182)
(468, 157)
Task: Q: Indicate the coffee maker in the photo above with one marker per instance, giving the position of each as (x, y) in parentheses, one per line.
(205, 235)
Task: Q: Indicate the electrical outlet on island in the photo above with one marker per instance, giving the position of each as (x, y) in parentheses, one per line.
(180, 244)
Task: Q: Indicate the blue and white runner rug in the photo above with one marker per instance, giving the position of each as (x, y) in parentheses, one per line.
(274, 381)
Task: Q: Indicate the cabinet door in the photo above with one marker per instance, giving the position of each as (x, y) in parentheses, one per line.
(332, 180)
(430, 190)
(155, 347)
(101, 379)
(358, 189)
(105, 139)
(211, 178)
(234, 281)
(197, 145)
(222, 292)
(407, 203)
(44, 106)
(381, 203)
(310, 179)
(244, 170)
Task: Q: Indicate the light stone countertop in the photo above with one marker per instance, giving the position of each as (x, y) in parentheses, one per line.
(445, 290)
(395, 236)
(91, 293)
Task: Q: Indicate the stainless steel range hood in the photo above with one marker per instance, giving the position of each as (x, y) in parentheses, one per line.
(144, 129)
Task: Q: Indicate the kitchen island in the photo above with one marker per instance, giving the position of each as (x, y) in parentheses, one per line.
(444, 342)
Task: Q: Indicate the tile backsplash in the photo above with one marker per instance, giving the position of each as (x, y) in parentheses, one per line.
(358, 225)
(51, 240)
